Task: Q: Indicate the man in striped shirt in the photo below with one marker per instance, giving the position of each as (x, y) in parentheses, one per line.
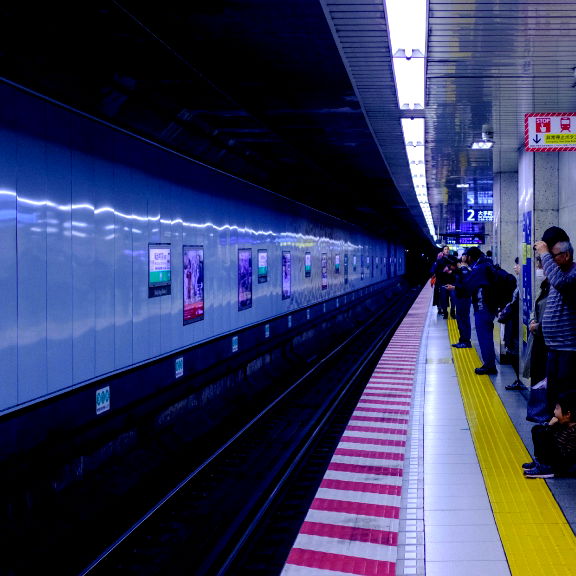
(559, 321)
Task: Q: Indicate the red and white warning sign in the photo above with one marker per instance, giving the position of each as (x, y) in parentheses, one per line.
(550, 131)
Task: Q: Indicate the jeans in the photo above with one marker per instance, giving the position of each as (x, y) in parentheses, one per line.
(484, 320)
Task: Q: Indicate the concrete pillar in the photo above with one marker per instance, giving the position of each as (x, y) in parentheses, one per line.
(546, 191)
(505, 227)
(505, 237)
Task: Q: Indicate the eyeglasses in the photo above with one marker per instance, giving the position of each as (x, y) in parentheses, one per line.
(555, 255)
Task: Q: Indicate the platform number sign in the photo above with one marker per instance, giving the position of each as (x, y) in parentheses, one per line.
(179, 367)
(474, 215)
(102, 400)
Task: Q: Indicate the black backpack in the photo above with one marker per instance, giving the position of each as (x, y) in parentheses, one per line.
(503, 285)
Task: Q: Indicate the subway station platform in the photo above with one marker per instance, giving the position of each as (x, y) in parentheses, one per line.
(427, 478)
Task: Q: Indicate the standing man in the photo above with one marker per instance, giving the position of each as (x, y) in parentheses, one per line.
(559, 319)
(443, 277)
(479, 285)
(463, 302)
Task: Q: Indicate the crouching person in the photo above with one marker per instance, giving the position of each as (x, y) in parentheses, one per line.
(555, 441)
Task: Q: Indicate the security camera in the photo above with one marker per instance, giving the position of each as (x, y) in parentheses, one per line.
(487, 132)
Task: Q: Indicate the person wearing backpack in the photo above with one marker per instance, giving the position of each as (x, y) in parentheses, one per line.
(479, 284)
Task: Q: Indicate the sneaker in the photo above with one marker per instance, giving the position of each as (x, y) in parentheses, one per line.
(516, 385)
(462, 345)
(485, 370)
(539, 471)
(529, 465)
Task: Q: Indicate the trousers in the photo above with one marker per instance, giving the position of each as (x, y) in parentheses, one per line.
(484, 320)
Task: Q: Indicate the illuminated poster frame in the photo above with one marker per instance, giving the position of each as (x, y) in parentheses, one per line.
(286, 275)
(244, 278)
(307, 265)
(337, 264)
(262, 266)
(324, 268)
(159, 270)
(193, 284)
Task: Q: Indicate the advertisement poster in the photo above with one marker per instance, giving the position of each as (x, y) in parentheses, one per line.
(193, 262)
(286, 275)
(262, 266)
(337, 264)
(307, 264)
(244, 278)
(345, 268)
(159, 270)
(324, 268)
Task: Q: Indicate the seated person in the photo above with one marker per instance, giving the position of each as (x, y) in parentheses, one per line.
(555, 441)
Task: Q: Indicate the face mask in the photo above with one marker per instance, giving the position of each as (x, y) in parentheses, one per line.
(539, 274)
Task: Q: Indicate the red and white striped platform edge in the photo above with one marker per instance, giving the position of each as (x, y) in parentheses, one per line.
(353, 522)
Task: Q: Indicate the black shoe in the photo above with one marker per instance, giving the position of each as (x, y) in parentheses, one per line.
(462, 345)
(453, 313)
(484, 370)
(445, 315)
(516, 385)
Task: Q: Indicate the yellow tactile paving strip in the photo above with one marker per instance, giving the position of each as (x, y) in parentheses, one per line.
(535, 535)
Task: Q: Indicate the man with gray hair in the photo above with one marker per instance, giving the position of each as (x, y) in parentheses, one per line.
(559, 320)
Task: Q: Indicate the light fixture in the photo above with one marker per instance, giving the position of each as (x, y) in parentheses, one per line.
(482, 144)
(407, 27)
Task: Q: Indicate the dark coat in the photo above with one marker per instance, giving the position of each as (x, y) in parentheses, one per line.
(480, 286)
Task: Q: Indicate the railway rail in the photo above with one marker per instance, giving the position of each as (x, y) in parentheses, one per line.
(239, 511)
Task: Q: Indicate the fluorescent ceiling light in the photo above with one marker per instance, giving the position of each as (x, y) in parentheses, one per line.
(413, 129)
(407, 25)
(409, 76)
(415, 153)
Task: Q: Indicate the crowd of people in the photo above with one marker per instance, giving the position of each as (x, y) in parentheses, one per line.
(464, 288)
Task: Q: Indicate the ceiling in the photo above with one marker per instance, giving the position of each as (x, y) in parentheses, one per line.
(298, 96)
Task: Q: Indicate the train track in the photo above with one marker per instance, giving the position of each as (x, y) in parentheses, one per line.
(239, 511)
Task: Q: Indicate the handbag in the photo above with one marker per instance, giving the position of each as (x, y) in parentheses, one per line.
(528, 356)
(537, 408)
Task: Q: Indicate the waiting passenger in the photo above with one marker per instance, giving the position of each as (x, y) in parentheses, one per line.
(479, 286)
(443, 274)
(555, 441)
(510, 317)
(537, 352)
(463, 302)
(559, 320)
